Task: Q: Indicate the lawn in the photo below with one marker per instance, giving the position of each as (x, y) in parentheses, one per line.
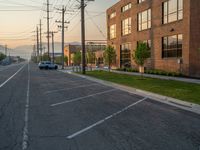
(176, 89)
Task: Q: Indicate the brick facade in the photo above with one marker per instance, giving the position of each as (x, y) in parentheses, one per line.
(189, 27)
(98, 50)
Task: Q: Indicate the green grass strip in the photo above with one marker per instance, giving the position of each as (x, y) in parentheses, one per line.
(180, 90)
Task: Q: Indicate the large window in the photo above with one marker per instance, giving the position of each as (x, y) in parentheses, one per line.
(126, 7)
(144, 20)
(172, 11)
(125, 55)
(113, 31)
(126, 26)
(140, 1)
(172, 46)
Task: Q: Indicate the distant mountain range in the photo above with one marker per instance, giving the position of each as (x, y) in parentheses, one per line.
(25, 50)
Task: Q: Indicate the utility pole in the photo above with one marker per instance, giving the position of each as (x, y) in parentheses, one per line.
(48, 28)
(63, 22)
(83, 34)
(83, 5)
(52, 36)
(63, 35)
(41, 38)
(37, 44)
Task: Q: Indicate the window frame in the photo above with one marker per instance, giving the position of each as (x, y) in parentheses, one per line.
(165, 18)
(112, 15)
(166, 49)
(140, 21)
(114, 31)
(125, 52)
(126, 7)
(125, 28)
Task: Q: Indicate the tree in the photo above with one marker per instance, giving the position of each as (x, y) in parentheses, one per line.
(141, 54)
(45, 57)
(109, 56)
(2, 56)
(66, 60)
(91, 57)
(58, 60)
(77, 58)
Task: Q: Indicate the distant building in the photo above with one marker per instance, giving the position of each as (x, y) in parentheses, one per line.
(170, 27)
(96, 47)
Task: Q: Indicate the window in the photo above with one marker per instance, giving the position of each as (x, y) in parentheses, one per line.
(172, 11)
(144, 20)
(126, 7)
(112, 15)
(125, 55)
(148, 42)
(140, 1)
(172, 46)
(126, 26)
(113, 31)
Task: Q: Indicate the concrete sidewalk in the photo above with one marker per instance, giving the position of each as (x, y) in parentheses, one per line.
(188, 80)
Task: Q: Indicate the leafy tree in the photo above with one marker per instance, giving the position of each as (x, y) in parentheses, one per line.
(109, 56)
(45, 57)
(66, 60)
(2, 56)
(58, 60)
(141, 54)
(91, 57)
(77, 58)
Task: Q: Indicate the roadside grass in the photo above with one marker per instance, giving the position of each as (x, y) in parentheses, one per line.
(180, 90)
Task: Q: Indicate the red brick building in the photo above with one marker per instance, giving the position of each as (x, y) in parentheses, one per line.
(170, 27)
(96, 47)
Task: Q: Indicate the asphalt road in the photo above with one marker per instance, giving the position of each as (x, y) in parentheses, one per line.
(51, 110)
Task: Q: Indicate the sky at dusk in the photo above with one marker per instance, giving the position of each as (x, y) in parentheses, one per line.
(19, 19)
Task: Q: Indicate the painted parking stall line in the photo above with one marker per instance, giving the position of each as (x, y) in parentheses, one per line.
(66, 89)
(81, 98)
(4, 83)
(105, 119)
(66, 82)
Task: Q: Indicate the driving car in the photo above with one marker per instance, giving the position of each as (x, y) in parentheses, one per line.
(47, 65)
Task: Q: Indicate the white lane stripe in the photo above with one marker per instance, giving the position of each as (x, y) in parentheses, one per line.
(66, 89)
(26, 115)
(80, 98)
(7, 67)
(1, 85)
(105, 119)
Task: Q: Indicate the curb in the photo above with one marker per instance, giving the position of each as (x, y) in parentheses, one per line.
(195, 108)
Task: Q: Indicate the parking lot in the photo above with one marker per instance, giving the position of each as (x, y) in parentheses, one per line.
(67, 112)
(75, 113)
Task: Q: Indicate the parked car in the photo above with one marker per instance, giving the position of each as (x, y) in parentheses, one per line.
(47, 65)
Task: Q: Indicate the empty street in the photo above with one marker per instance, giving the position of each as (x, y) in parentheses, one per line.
(51, 110)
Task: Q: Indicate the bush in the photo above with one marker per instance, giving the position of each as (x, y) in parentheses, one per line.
(155, 71)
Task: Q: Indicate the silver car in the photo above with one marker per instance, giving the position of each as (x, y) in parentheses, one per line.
(47, 65)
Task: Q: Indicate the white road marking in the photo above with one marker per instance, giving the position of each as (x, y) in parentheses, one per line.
(1, 85)
(66, 82)
(7, 67)
(26, 114)
(105, 119)
(66, 89)
(80, 98)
